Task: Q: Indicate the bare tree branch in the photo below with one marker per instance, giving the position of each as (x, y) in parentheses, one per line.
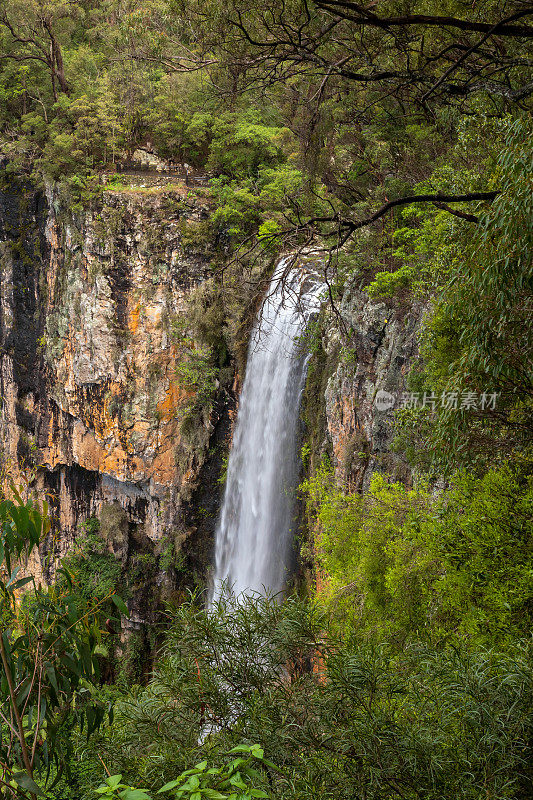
(348, 226)
(364, 15)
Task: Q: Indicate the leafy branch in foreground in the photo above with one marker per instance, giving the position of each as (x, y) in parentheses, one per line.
(48, 649)
(338, 718)
(236, 780)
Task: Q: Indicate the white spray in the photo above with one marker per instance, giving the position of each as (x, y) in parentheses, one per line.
(256, 526)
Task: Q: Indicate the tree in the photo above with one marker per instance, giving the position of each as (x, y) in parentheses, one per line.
(484, 348)
(33, 31)
(422, 55)
(48, 649)
(337, 718)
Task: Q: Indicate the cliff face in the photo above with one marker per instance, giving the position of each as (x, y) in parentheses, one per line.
(90, 303)
(356, 381)
(94, 305)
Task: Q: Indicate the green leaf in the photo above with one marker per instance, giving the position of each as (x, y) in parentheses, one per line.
(51, 675)
(24, 689)
(237, 781)
(13, 577)
(113, 781)
(120, 604)
(169, 786)
(22, 582)
(134, 794)
(66, 574)
(24, 781)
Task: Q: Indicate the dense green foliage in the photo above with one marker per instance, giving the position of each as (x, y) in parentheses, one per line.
(94, 570)
(276, 102)
(50, 660)
(484, 348)
(405, 563)
(396, 137)
(336, 719)
(234, 781)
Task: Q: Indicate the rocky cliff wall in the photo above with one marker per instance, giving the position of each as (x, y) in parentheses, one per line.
(357, 377)
(92, 307)
(90, 302)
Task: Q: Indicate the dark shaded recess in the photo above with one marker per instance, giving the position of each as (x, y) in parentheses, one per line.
(22, 223)
(81, 484)
(25, 419)
(298, 570)
(376, 337)
(202, 510)
(137, 509)
(23, 214)
(120, 284)
(25, 454)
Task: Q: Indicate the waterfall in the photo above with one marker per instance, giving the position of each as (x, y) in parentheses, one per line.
(255, 530)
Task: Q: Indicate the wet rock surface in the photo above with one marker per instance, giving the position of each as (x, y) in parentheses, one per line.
(375, 355)
(91, 400)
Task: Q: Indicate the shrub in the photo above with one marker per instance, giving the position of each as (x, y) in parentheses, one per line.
(405, 563)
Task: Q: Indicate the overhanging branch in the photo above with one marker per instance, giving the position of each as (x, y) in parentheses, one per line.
(361, 15)
(346, 226)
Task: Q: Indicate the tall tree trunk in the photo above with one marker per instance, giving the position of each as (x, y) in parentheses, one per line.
(56, 62)
(60, 69)
(51, 64)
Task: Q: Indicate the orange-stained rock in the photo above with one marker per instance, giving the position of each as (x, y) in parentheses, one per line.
(133, 321)
(97, 381)
(383, 346)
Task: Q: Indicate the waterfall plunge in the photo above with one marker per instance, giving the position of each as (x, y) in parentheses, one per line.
(254, 532)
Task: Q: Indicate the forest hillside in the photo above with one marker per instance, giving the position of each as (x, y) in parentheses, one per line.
(179, 182)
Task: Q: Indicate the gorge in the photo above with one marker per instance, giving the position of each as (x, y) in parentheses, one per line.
(266, 400)
(95, 314)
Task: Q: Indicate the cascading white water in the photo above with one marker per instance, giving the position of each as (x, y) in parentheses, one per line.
(254, 533)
